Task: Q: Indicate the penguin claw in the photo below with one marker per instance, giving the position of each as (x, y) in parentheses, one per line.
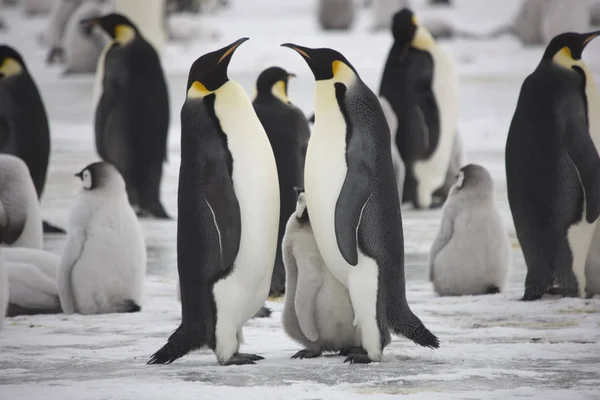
(243, 359)
(306, 353)
(358, 359)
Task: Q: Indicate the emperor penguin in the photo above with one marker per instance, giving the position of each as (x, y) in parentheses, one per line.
(554, 189)
(288, 133)
(317, 311)
(20, 219)
(24, 130)
(83, 44)
(419, 80)
(31, 281)
(132, 114)
(336, 14)
(228, 188)
(103, 262)
(471, 253)
(353, 200)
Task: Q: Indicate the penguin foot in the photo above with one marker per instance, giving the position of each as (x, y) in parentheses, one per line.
(243, 359)
(346, 351)
(264, 312)
(307, 353)
(358, 359)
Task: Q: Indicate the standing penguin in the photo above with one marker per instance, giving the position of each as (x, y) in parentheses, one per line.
(20, 220)
(317, 311)
(288, 133)
(24, 130)
(471, 253)
(353, 200)
(228, 188)
(336, 14)
(419, 81)
(103, 263)
(132, 115)
(554, 188)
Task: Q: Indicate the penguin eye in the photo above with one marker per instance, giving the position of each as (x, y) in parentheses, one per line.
(87, 179)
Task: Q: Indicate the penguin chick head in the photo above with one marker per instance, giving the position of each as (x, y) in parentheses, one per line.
(474, 178)
(209, 72)
(566, 49)
(301, 210)
(117, 26)
(326, 63)
(274, 81)
(404, 26)
(11, 62)
(101, 175)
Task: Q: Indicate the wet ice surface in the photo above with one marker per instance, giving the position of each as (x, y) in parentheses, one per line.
(491, 346)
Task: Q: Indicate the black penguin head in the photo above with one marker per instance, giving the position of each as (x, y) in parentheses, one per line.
(117, 26)
(99, 175)
(568, 47)
(301, 210)
(209, 72)
(11, 62)
(474, 177)
(273, 81)
(404, 26)
(324, 63)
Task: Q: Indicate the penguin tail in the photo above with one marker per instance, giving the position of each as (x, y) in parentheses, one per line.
(130, 306)
(185, 339)
(412, 328)
(264, 312)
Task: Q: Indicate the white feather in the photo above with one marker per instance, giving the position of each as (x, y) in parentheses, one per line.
(239, 296)
(4, 294)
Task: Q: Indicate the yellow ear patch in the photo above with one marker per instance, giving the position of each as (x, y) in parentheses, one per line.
(279, 91)
(415, 21)
(124, 34)
(10, 67)
(197, 91)
(342, 73)
(423, 39)
(564, 58)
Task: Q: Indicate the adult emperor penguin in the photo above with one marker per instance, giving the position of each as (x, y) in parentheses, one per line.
(317, 310)
(24, 130)
(352, 197)
(419, 80)
(228, 187)
(554, 189)
(20, 219)
(288, 133)
(470, 254)
(132, 114)
(103, 263)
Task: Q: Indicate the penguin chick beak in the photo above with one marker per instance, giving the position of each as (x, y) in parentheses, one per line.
(79, 175)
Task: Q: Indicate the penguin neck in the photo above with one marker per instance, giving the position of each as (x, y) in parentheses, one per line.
(325, 95)
(232, 105)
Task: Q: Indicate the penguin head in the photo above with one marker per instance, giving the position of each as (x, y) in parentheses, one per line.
(274, 81)
(117, 26)
(474, 178)
(326, 64)
(404, 26)
(101, 175)
(11, 62)
(301, 211)
(209, 72)
(566, 49)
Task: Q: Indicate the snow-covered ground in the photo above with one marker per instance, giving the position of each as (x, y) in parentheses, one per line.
(491, 346)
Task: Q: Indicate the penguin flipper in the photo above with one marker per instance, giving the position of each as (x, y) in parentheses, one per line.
(583, 154)
(310, 280)
(350, 204)
(442, 239)
(70, 256)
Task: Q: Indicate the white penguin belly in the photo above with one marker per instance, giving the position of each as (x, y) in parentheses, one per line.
(256, 186)
(112, 263)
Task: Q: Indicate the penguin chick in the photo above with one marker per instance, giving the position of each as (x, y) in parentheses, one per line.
(103, 263)
(20, 221)
(317, 309)
(288, 133)
(31, 277)
(471, 253)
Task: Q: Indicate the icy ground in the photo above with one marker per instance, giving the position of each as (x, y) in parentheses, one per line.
(491, 346)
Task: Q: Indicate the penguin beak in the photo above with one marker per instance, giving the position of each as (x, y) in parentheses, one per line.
(79, 175)
(88, 22)
(291, 75)
(229, 50)
(589, 37)
(303, 51)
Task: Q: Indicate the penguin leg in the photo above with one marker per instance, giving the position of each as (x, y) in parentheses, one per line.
(541, 269)
(148, 179)
(346, 351)
(307, 353)
(362, 285)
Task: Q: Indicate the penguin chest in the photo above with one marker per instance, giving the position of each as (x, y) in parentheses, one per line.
(593, 111)
(324, 175)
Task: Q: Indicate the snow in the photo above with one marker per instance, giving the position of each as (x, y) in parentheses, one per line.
(492, 347)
